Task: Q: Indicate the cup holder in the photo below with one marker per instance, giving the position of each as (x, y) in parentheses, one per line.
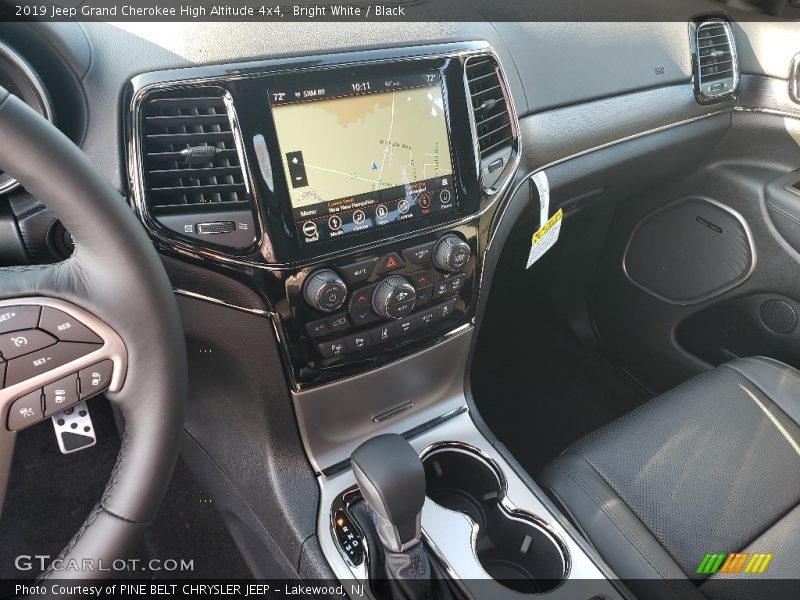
(515, 548)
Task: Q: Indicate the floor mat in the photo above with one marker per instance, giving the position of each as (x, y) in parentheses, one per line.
(537, 386)
(50, 495)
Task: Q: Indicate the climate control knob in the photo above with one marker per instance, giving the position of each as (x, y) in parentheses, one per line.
(451, 254)
(394, 298)
(325, 290)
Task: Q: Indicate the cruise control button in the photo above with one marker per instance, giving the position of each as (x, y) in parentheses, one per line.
(358, 272)
(96, 378)
(36, 363)
(419, 255)
(13, 318)
(60, 394)
(333, 349)
(25, 411)
(20, 343)
(65, 327)
(390, 262)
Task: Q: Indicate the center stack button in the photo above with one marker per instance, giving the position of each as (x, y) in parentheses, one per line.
(394, 298)
(325, 290)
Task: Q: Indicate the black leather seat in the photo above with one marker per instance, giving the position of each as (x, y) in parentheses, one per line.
(712, 466)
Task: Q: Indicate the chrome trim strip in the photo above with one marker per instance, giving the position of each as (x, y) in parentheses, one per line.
(196, 296)
(393, 412)
(133, 131)
(38, 88)
(794, 79)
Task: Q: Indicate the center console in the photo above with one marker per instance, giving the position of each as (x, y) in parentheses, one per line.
(353, 196)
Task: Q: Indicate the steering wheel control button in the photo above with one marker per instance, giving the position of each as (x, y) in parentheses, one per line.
(95, 379)
(66, 328)
(74, 429)
(20, 343)
(14, 318)
(60, 394)
(358, 272)
(325, 290)
(394, 298)
(390, 262)
(25, 411)
(42, 361)
(451, 254)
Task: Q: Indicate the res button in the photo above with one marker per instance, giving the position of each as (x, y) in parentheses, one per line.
(66, 328)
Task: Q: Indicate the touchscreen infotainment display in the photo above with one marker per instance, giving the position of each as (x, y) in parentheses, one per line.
(358, 156)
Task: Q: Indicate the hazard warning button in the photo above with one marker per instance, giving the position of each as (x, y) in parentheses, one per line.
(390, 262)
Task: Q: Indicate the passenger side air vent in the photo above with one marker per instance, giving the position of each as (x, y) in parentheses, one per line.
(193, 180)
(495, 125)
(716, 67)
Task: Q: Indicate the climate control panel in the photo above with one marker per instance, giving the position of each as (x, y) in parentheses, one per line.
(353, 310)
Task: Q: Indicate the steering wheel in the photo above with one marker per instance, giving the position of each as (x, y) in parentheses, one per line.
(112, 322)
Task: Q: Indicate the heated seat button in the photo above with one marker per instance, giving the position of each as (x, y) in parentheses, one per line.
(42, 361)
(13, 318)
(358, 272)
(25, 411)
(384, 333)
(66, 328)
(390, 262)
(60, 394)
(446, 309)
(20, 343)
(96, 378)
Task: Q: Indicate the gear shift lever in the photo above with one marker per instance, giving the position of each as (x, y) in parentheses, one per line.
(392, 481)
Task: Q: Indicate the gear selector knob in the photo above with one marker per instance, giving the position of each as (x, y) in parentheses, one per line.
(392, 481)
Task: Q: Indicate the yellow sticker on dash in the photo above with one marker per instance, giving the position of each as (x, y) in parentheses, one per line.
(545, 237)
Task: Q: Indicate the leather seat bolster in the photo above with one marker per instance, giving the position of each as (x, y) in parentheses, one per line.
(607, 522)
(779, 382)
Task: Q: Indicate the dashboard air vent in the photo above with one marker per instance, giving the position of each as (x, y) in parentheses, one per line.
(716, 68)
(492, 120)
(495, 126)
(189, 152)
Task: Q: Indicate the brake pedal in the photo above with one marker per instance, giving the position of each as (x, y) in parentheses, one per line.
(74, 429)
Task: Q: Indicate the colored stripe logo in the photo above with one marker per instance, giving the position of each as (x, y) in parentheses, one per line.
(734, 563)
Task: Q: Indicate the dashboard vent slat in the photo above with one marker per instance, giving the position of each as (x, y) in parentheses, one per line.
(492, 119)
(189, 150)
(716, 71)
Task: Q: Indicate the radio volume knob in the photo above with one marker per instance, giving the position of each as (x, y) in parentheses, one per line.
(451, 254)
(325, 290)
(394, 298)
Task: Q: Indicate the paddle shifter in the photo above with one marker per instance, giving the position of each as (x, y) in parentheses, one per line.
(391, 478)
